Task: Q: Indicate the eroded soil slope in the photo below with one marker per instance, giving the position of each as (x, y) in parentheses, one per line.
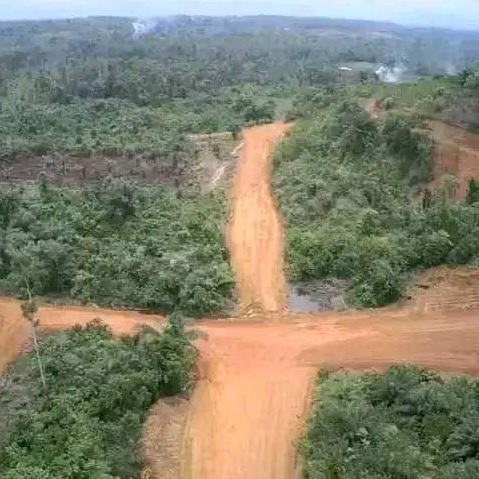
(456, 152)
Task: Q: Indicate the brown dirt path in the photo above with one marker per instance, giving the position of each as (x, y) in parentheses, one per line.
(249, 403)
(15, 331)
(255, 238)
(252, 393)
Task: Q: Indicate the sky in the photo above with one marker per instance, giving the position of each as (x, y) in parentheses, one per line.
(449, 13)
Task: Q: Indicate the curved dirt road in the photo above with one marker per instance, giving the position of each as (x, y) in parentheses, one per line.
(255, 237)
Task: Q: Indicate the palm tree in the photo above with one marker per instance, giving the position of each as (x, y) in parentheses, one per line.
(29, 312)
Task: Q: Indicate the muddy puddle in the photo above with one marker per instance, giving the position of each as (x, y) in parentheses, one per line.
(316, 296)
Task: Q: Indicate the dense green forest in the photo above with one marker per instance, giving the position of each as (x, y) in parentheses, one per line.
(405, 423)
(347, 187)
(100, 90)
(87, 422)
(116, 244)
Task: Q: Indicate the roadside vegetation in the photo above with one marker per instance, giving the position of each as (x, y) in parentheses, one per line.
(351, 191)
(405, 423)
(116, 244)
(86, 422)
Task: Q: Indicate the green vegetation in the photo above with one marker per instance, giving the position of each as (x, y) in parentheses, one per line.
(406, 423)
(115, 244)
(452, 98)
(347, 187)
(87, 422)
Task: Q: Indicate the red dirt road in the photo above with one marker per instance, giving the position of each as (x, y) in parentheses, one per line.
(255, 236)
(248, 407)
(249, 403)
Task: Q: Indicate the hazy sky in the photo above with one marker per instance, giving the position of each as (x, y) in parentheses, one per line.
(425, 12)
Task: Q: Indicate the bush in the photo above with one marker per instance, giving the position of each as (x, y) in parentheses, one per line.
(405, 423)
(346, 191)
(116, 244)
(88, 421)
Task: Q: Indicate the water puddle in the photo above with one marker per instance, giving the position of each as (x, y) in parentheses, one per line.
(316, 296)
(299, 300)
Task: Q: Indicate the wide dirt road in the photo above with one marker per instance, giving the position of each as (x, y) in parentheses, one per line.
(255, 237)
(255, 377)
(249, 404)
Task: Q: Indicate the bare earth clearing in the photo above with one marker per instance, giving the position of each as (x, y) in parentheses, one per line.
(255, 375)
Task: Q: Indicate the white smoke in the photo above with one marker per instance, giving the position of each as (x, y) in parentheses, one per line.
(144, 27)
(391, 74)
(451, 69)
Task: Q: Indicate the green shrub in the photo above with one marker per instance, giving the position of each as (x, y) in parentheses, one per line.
(116, 244)
(87, 422)
(405, 423)
(349, 207)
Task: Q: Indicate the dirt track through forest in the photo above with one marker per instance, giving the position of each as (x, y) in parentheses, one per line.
(251, 398)
(15, 331)
(255, 376)
(255, 237)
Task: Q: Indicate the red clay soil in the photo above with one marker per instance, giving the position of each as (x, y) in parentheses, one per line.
(255, 237)
(15, 331)
(456, 152)
(249, 403)
(248, 406)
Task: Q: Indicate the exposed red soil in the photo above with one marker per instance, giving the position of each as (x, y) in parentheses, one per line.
(255, 237)
(456, 152)
(249, 404)
(255, 376)
(15, 331)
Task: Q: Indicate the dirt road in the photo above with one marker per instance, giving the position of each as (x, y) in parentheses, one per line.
(248, 407)
(255, 238)
(255, 376)
(249, 404)
(15, 331)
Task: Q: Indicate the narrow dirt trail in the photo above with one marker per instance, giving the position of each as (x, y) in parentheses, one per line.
(255, 237)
